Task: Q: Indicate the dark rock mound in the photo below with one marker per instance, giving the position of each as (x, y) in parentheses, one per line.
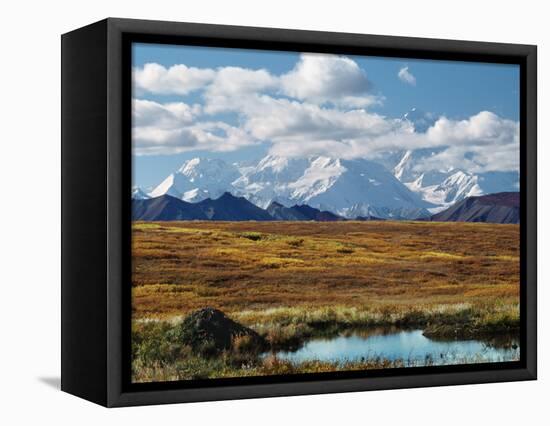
(368, 218)
(280, 212)
(229, 207)
(209, 331)
(312, 213)
(503, 207)
(165, 207)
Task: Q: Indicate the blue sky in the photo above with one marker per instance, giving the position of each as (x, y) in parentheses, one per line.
(455, 90)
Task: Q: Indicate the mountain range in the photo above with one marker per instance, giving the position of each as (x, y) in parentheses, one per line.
(394, 185)
(493, 208)
(447, 187)
(347, 188)
(438, 185)
(225, 208)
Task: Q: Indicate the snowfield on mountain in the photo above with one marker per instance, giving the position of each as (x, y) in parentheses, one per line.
(348, 188)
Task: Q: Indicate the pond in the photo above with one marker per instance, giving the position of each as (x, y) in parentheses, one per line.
(410, 346)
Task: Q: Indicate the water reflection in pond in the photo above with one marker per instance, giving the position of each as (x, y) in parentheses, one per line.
(411, 346)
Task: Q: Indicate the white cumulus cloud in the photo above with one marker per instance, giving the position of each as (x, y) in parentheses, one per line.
(483, 142)
(167, 115)
(178, 79)
(319, 107)
(322, 78)
(233, 86)
(173, 127)
(208, 136)
(406, 76)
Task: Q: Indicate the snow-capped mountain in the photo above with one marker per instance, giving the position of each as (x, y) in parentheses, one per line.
(198, 179)
(406, 167)
(268, 180)
(348, 188)
(447, 187)
(442, 187)
(353, 188)
(139, 194)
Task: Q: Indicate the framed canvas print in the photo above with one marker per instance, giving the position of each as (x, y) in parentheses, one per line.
(252, 212)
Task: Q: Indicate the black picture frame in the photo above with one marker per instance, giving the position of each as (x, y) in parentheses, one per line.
(96, 155)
